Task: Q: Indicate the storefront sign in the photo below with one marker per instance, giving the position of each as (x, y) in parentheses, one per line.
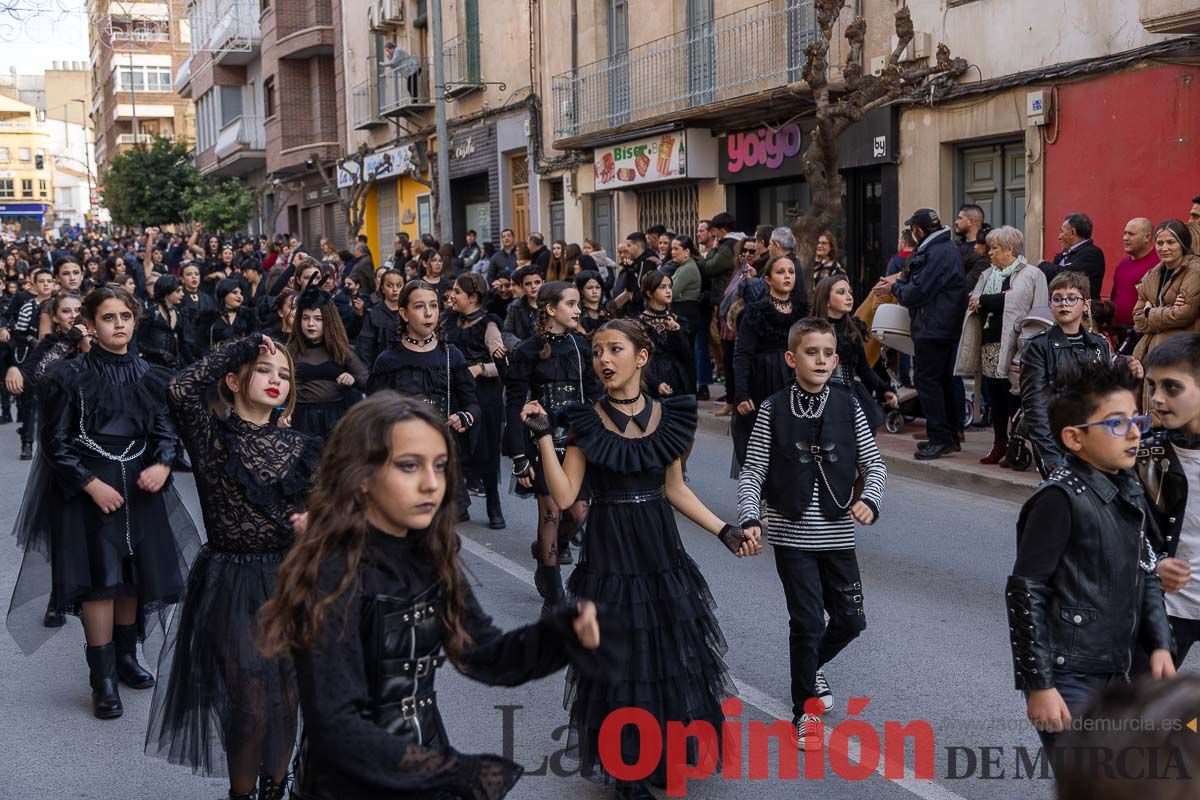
(761, 154)
(658, 158)
(401, 162)
(463, 149)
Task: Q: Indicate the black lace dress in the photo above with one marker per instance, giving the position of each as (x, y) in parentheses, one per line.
(222, 696)
(320, 400)
(758, 364)
(634, 566)
(106, 417)
(484, 458)
(673, 361)
(349, 752)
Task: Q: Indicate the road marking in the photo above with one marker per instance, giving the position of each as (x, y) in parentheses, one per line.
(771, 706)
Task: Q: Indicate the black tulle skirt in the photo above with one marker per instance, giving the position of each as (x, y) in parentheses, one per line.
(483, 460)
(75, 553)
(319, 419)
(633, 563)
(217, 693)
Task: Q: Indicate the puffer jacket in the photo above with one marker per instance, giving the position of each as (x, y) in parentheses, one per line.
(934, 290)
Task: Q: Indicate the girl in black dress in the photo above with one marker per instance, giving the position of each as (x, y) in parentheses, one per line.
(671, 370)
(329, 375)
(108, 438)
(758, 365)
(592, 312)
(421, 364)
(834, 301)
(371, 600)
(627, 449)
(477, 334)
(381, 320)
(160, 337)
(226, 709)
(433, 267)
(552, 368)
(232, 319)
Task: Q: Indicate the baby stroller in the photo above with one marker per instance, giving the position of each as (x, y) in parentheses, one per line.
(1021, 454)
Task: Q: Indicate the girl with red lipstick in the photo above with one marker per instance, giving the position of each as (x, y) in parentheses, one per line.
(226, 709)
(108, 439)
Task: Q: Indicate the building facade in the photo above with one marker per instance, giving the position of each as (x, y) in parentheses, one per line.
(135, 50)
(26, 170)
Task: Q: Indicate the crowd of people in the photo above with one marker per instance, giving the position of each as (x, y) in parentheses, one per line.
(339, 416)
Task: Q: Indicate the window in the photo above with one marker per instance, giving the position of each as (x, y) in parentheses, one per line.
(269, 97)
(26, 187)
(42, 188)
(6, 188)
(143, 79)
(231, 104)
(4, 157)
(24, 154)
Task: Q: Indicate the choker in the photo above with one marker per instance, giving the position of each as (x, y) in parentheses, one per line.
(555, 337)
(419, 342)
(657, 314)
(626, 402)
(806, 405)
(782, 306)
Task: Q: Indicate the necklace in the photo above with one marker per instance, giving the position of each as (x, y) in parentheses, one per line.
(782, 306)
(418, 342)
(624, 401)
(808, 406)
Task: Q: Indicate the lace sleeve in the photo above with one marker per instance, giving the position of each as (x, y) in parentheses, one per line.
(43, 358)
(521, 655)
(188, 388)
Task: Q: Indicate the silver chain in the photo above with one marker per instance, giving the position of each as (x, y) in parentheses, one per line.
(815, 407)
(121, 459)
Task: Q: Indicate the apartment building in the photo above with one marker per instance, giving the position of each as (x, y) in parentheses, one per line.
(135, 49)
(26, 170)
(1088, 107)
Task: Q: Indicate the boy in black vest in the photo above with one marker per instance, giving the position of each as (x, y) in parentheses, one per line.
(810, 444)
(1083, 593)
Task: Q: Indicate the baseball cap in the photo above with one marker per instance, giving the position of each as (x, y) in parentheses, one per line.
(925, 219)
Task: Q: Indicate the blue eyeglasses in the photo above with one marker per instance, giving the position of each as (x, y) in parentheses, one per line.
(1119, 426)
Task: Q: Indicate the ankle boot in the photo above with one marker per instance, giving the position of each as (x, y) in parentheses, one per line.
(132, 674)
(552, 591)
(268, 789)
(995, 454)
(26, 451)
(495, 514)
(102, 663)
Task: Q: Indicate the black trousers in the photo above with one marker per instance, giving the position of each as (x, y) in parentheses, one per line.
(933, 374)
(27, 405)
(1187, 633)
(816, 582)
(1002, 403)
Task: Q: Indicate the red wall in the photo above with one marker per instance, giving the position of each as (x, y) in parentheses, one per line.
(1128, 146)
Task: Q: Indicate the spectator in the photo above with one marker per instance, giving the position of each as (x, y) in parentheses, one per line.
(604, 263)
(1138, 243)
(825, 260)
(904, 248)
(1079, 253)
(968, 225)
(1003, 295)
(363, 269)
(717, 269)
(1169, 295)
(627, 292)
(484, 265)
(539, 253)
(1194, 225)
(653, 234)
(933, 289)
(469, 254)
(505, 261)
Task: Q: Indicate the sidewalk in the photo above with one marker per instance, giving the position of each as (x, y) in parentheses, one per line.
(958, 471)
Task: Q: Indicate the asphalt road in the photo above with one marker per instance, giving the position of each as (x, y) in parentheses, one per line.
(935, 649)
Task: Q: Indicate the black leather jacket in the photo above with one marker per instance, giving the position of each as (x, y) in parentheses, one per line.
(1040, 360)
(1103, 597)
(1166, 489)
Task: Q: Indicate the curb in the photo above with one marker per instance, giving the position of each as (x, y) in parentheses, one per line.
(941, 472)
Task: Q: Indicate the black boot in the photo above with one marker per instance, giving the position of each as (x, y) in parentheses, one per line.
(633, 791)
(53, 617)
(132, 674)
(268, 789)
(26, 451)
(238, 796)
(494, 513)
(551, 588)
(6, 410)
(106, 700)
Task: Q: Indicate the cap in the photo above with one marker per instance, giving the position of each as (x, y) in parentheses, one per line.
(925, 219)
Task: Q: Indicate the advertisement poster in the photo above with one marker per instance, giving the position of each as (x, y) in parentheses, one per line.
(658, 158)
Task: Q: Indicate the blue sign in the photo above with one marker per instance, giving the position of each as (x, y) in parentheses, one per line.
(11, 209)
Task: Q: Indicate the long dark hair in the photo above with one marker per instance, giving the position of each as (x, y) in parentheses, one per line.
(337, 528)
(820, 306)
(333, 338)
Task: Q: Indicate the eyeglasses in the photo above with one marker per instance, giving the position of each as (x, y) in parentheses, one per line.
(1119, 426)
(1070, 301)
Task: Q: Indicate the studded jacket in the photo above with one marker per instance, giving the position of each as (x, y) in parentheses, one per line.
(1166, 490)
(1082, 598)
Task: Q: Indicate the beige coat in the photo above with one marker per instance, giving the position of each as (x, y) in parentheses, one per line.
(1027, 291)
(1167, 320)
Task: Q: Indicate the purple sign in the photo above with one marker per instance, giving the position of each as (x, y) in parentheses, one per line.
(762, 148)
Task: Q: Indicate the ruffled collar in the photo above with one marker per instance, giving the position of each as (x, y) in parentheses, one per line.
(108, 357)
(654, 451)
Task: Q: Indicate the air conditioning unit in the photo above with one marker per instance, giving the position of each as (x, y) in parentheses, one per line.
(374, 24)
(919, 49)
(392, 11)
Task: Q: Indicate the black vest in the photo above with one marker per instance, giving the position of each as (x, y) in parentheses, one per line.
(809, 452)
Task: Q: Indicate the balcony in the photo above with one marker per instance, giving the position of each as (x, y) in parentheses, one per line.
(228, 29)
(365, 104)
(460, 57)
(141, 36)
(240, 148)
(1169, 16)
(401, 92)
(684, 74)
(183, 76)
(134, 138)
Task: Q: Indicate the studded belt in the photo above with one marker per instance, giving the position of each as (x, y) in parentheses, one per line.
(614, 498)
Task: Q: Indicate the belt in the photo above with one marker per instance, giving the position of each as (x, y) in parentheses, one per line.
(613, 498)
(409, 706)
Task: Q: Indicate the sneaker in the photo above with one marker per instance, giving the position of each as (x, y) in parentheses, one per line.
(807, 728)
(824, 693)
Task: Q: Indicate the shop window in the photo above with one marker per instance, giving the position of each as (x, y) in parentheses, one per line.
(677, 207)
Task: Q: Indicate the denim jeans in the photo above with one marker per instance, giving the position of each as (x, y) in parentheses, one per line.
(1078, 690)
(816, 582)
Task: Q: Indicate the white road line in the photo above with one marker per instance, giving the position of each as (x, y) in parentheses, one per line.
(771, 706)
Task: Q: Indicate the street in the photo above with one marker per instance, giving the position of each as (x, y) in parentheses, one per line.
(935, 649)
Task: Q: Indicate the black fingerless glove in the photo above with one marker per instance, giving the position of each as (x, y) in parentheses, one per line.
(732, 537)
(538, 425)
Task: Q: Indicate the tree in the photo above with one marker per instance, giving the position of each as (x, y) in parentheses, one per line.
(861, 93)
(150, 185)
(222, 207)
(353, 199)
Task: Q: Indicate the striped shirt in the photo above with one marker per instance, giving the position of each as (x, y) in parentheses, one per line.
(812, 531)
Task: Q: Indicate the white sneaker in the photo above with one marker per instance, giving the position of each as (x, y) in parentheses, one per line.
(824, 693)
(808, 732)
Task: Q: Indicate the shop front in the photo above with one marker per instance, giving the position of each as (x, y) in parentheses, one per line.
(667, 179)
(762, 174)
(24, 219)
(474, 184)
(382, 211)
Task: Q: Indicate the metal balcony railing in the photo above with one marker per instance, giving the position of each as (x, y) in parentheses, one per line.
(365, 104)
(241, 133)
(138, 138)
(141, 35)
(401, 90)
(225, 26)
(739, 54)
(461, 60)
